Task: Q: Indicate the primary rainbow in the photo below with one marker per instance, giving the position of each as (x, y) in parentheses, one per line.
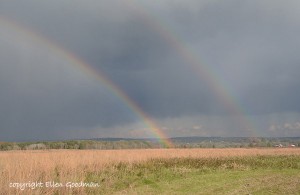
(219, 87)
(92, 72)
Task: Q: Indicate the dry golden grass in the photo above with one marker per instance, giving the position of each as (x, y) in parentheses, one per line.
(72, 165)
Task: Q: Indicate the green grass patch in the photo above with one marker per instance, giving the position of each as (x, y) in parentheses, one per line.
(235, 175)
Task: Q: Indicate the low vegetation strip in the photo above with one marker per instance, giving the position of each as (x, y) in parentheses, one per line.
(168, 171)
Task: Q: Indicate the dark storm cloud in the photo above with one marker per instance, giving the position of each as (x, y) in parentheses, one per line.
(250, 46)
(43, 94)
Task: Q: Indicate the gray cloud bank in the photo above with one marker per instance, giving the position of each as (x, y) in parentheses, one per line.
(251, 47)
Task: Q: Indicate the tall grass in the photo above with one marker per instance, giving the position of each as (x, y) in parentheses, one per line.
(117, 169)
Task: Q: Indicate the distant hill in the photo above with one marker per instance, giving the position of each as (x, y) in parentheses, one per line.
(201, 139)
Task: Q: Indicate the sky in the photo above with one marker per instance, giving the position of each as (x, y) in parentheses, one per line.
(194, 68)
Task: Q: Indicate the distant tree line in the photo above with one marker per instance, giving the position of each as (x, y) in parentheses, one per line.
(78, 144)
(144, 144)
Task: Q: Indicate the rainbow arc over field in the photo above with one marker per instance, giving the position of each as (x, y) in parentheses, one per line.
(222, 91)
(31, 35)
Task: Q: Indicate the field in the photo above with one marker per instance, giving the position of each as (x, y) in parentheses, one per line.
(151, 171)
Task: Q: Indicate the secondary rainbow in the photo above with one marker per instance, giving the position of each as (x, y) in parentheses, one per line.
(219, 87)
(92, 72)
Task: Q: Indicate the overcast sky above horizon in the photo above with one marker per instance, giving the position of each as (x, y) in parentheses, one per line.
(250, 50)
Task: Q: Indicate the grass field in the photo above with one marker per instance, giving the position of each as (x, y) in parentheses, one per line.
(152, 171)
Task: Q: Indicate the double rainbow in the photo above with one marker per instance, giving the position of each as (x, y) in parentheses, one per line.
(205, 73)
